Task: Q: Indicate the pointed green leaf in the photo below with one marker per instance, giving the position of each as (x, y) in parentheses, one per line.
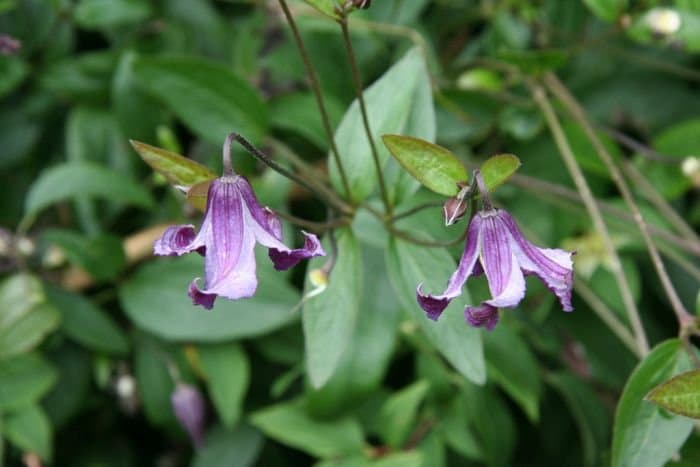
(228, 373)
(69, 181)
(432, 165)
(23, 380)
(408, 265)
(207, 96)
(497, 169)
(397, 415)
(390, 104)
(680, 394)
(329, 318)
(644, 435)
(608, 10)
(30, 430)
(237, 447)
(290, 424)
(178, 170)
(28, 331)
(327, 7)
(87, 324)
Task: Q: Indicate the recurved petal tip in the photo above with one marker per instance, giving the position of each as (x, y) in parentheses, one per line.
(287, 258)
(432, 305)
(482, 316)
(175, 241)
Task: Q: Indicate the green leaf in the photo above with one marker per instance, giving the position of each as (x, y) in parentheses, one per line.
(30, 430)
(155, 384)
(498, 169)
(591, 415)
(178, 170)
(13, 70)
(24, 380)
(645, 436)
(69, 181)
(228, 373)
(74, 385)
(364, 363)
(608, 10)
(155, 299)
(87, 324)
(329, 318)
(207, 96)
(326, 7)
(398, 414)
(511, 364)
(237, 447)
(19, 293)
(289, 424)
(28, 331)
(99, 14)
(102, 256)
(390, 101)
(432, 165)
(680, 394)
(409, 265)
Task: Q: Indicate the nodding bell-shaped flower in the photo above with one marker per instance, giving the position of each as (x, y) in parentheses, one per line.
(233, 222)
(496, 246)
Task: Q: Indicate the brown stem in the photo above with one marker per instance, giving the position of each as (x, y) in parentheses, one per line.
(363, 110)
(316, 87)
(579, 115)
(579, 179)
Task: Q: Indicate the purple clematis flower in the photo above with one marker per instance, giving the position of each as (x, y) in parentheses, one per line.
(233, 222)
(496, 246)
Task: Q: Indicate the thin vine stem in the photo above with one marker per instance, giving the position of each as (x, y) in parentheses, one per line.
(316, 88)
(579, 179)
(357, 80)
(315, 227)
(328, 197)
(579, 116)
(416, 209)
(427, 243)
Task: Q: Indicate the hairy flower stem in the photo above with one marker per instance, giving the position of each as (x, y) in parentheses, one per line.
(579, 179)
(328, 197)
(363, 110)
(316, 87)
(578, 114)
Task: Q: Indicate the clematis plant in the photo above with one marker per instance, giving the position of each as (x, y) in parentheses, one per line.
(233, 222)
(496, 246)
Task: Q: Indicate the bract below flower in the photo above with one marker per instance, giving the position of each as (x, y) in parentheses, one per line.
(496, 246)
(233, 222)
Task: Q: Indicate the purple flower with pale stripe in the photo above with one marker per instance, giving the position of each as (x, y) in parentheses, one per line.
(233, 222)
(496, 246)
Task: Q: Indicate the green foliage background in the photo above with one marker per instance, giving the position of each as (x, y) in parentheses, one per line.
(93, 328)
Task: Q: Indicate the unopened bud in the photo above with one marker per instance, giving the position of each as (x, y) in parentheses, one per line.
(188, 405)
(363, 4)
(691, 169)
(454, 209)
(663, 21)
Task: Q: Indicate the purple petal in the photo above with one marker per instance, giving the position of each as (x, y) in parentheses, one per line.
(506, 281)
(189, 407)
(483, 315)
(268, 232)
(200, 298)
(176, 240)
(434, 305)
(553, 266)
(285, 259)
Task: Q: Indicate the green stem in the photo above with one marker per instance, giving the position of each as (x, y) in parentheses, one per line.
(415, 209)
(579, 179)
(363, 110)
(315, 86)
(428, 243)
(315, 227)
